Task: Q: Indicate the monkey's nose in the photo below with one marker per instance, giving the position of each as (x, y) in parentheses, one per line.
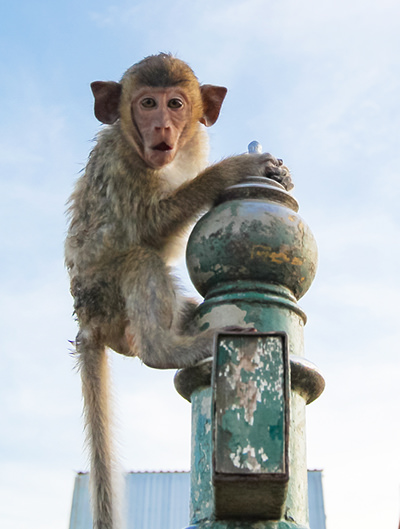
(165, 125)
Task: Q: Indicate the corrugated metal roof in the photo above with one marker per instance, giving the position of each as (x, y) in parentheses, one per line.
(154, 500)
(160, 500)
(81, 517)
(316, 500)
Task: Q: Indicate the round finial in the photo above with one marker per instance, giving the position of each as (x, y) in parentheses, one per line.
(256, 147)
(253, 234)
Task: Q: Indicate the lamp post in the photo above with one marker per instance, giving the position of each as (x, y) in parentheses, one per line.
(251, 257)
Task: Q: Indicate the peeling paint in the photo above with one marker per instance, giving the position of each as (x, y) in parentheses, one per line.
(250, 405)
(227, 313)
(244, 458)
(267, 253)
(201, 493)
(206, 407)
(252, 239)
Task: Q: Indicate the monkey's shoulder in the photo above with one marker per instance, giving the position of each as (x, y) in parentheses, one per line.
(112, 156)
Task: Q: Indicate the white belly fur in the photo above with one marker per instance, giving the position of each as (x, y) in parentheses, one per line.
(190, 161)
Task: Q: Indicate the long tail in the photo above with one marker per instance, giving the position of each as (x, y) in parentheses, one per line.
(93, 365)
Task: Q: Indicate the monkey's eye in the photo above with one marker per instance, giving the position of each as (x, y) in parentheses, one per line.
(175, 103)
(148, 102)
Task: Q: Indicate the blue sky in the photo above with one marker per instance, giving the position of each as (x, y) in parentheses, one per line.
(318, 84)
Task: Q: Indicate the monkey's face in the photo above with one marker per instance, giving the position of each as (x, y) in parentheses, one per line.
(162, 118)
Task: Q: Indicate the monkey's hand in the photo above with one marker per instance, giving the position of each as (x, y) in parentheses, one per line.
(275, 170)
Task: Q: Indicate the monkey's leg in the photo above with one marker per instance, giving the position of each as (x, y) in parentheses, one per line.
(184, 321)
(151, 305)
(93, 366)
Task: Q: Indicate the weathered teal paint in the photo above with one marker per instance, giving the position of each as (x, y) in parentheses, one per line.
(265, 307)
(250, 425)
(201, 492)
(252, 257)
(250, 397)
(194, 384)
(255, 234)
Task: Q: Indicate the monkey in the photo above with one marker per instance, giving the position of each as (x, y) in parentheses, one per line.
(145, 183)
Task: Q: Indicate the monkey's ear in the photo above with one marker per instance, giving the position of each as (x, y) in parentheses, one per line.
(212, 97)
(107, 95)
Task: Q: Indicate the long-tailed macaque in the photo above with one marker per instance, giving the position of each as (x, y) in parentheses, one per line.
(145, 182)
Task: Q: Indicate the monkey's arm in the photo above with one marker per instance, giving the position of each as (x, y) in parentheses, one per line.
(169, 215)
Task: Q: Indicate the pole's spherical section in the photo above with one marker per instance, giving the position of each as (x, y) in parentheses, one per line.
(253, 234)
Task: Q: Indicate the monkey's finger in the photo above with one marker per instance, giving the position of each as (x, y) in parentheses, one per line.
(271, 168)
(267, 157)
(287, 182)
(280, 174)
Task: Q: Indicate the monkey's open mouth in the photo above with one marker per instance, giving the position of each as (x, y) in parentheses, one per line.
(162, 147)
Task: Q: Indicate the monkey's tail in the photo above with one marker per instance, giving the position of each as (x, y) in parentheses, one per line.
(94, 369)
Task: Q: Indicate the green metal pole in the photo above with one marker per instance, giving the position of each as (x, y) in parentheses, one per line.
(251, 257)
